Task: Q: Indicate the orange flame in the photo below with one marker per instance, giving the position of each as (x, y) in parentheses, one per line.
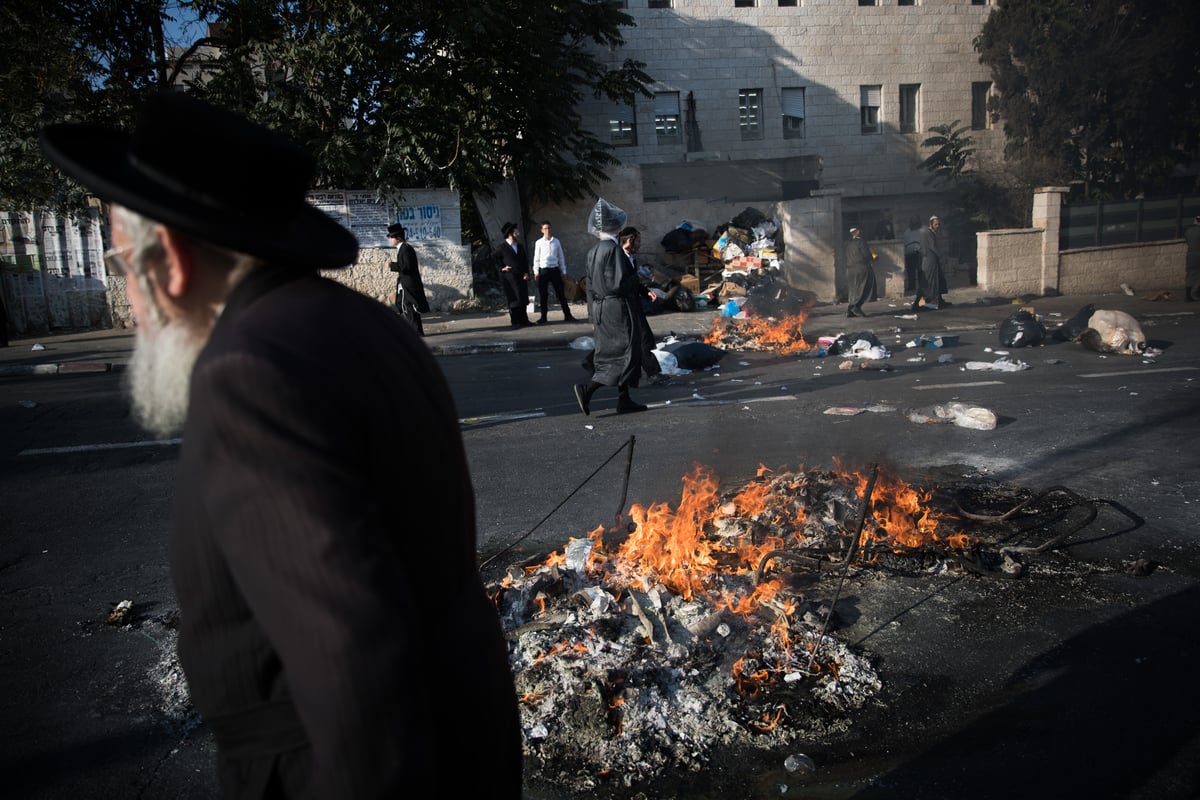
(784, 336)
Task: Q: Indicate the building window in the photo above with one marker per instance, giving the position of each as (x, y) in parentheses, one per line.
(906, 2)
(659, 4)
(744, 3)
(622, 125)
(867, 3)
(750, 113)
(869, 100)
(910, 107)
(792, 101)
(788, 3)
(666, 118)
(980, 119)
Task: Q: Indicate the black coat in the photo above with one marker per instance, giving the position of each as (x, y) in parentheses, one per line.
(408, 277)
(614, 306)
(515, 280)
(324, 552)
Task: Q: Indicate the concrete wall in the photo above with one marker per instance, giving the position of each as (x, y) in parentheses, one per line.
(1028, 261)
(445, 271)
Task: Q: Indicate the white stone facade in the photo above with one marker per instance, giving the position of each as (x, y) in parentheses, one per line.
(829, 48)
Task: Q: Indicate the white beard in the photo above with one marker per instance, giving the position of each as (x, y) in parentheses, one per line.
(159, 376)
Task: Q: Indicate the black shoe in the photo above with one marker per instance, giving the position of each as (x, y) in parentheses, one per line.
(916, 306)
(630, 407)
(849, 312)
(541, 321)
(582, 399)
(860, 312)
(569, 318)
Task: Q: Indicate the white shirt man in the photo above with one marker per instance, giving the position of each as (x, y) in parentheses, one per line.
(549, 266)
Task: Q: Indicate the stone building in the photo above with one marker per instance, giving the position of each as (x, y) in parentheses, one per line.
(811, 111)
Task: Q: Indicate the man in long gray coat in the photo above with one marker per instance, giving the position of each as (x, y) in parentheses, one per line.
(929, 283)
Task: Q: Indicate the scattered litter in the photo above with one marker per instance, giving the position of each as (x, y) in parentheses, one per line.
(880, 409)
(1127, 289)
(1158, 296)
(583, 343)
(593, 427)
(1000, 352)
(960, 414)
(932, 341)
(917, 359)
(798, 762)
(120, 612)
(26, 404)
(907, 316)
(1055, 361)
(999, 365)
(844, 411)
(38, 347)
(946, 358)
(964, 416)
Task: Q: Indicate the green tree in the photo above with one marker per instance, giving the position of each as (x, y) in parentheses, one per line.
(950, 161)
(72, 60)
(1106, 92)
(385, 94)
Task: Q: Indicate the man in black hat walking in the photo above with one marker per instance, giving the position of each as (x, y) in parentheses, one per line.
(312, 596)
(410, 290)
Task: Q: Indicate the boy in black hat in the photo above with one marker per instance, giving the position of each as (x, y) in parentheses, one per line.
(308, 607)
(410, 290)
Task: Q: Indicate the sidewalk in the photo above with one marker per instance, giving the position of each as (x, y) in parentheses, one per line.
(448, 334)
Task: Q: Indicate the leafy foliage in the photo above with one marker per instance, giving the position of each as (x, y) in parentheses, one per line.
(954, 150)
(385, 94)
(1106, 92)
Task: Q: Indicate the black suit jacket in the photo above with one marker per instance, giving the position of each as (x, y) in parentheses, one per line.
(516, 287)
(323, 549)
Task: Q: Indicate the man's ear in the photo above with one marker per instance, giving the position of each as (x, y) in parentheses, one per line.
(178, 262)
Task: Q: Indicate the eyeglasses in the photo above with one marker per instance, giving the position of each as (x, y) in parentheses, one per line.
(114, 261)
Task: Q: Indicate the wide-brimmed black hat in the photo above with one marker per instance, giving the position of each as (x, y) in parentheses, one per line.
(507, 228)
(396, 229)
(209, 173)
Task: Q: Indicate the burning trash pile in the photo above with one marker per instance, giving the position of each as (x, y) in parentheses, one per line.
(699, 629)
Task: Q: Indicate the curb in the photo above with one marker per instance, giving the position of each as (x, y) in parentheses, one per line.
(68, 368)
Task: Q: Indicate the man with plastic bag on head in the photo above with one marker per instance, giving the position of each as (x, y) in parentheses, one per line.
(613, 295)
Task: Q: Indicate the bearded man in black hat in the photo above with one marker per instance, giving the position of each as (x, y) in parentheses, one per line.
(311, 597)
(410, 289)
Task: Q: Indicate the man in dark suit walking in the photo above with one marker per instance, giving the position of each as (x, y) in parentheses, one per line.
(410, 290)
(313, 597)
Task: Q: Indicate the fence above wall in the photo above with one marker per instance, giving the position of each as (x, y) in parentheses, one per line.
(1126, 221)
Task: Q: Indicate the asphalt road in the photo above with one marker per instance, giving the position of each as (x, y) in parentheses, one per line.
(1068, 682)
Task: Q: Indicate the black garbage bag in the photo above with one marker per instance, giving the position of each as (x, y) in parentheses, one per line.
(1022, 329)
(845, 342)
(748, 218)
(677, 241)
(694, 355)
(1073, 328)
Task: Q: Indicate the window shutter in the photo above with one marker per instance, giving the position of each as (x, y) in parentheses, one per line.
(793, 103)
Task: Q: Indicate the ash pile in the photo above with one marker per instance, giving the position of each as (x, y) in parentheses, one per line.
(709, 626)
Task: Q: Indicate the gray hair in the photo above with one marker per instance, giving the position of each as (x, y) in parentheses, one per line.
(143, 237)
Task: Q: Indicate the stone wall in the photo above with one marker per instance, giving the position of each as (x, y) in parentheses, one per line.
(1148, 266)
(445, 271)
(1028, 261)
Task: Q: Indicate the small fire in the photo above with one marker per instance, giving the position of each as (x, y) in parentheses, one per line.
(783, 335)
(694, 548)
